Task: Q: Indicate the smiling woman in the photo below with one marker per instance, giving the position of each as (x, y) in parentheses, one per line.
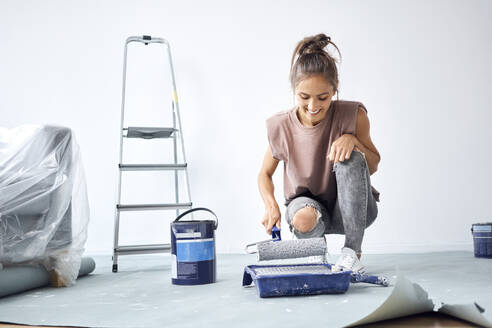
(328, 157)
(316, 105)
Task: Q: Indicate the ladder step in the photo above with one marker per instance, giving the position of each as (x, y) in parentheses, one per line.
(148, 132)
(152, 167)
(142, 249)
(153, 207)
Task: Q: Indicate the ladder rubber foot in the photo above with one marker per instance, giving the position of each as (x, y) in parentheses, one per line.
(115, 267)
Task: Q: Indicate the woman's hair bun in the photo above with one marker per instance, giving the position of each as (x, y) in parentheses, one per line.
(314, 44)
(312, 58)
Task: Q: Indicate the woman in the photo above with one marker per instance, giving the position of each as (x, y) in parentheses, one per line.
(328, 157)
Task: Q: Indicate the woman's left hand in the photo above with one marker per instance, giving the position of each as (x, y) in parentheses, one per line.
(342, 148)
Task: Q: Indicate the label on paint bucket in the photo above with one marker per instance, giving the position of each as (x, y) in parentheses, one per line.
(187, 270)
(482, 228)
(188, 234)
(191, 251)
(174, 267)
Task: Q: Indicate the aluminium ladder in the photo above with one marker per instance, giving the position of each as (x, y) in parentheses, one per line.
(149, 133)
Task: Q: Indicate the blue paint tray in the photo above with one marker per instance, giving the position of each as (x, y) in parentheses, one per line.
(296, 279)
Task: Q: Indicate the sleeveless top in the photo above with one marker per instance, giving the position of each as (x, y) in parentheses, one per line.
(307, 170)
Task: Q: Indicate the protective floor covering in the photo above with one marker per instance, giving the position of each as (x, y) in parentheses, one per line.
(141, 295)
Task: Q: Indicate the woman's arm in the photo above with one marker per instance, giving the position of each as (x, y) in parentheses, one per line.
(364, 143)
(265, 184)
(342, 148)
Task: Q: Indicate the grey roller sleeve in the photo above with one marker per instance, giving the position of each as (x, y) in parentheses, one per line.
(289, 249)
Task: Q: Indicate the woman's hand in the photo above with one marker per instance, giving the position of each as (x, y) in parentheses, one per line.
(272, 217)
(342, 148)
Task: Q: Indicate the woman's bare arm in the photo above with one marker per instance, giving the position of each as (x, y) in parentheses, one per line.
(364, 143)
(266, 187)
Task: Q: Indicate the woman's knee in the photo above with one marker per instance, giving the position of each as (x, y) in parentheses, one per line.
(357, 158)
(305, 219)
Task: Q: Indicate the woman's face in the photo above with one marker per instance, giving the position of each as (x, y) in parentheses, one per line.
(313, 95)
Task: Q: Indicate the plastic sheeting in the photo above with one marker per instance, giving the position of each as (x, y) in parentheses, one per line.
(44, 210)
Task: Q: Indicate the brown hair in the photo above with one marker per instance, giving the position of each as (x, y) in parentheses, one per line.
(313, 59)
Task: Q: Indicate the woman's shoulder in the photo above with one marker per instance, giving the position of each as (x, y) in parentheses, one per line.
(280, 115)
(348, 105)
(345, 115)
(279, 118)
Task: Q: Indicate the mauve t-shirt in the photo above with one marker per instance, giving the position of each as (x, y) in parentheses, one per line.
(307, 170)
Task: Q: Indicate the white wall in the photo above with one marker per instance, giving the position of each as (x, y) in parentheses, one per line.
(421, 67)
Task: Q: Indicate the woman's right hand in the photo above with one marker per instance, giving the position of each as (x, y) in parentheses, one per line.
(271, 218)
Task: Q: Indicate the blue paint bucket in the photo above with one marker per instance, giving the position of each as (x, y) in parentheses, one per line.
(193, 250)
(482, 239)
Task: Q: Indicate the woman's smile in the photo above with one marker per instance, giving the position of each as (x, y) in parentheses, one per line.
(313, 113)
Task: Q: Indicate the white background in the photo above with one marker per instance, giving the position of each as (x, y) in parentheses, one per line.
(422, 68)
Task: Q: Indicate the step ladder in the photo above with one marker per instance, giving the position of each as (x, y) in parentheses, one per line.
(149, 133)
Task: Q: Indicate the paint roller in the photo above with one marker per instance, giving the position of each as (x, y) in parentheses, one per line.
(276, 249)
(288, 249)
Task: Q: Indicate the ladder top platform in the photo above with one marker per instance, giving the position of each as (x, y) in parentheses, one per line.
(149, 132)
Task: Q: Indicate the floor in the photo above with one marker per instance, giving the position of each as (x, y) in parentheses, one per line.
(435, 320)
(141, 295)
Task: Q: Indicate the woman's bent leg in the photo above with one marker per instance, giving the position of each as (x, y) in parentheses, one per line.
(355, 208)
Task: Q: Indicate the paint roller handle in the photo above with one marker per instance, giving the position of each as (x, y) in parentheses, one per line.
(276, 234)
(199, 209)
(356, 277)
(275, 237)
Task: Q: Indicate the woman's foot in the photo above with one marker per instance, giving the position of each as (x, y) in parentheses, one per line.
(348, 261)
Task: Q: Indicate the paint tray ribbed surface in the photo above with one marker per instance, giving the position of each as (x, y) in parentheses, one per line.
(296, 279)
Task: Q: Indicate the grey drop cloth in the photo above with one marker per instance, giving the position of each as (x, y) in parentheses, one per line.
(17, 279)
(141, 294)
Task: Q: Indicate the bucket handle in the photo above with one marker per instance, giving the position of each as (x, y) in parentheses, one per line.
(199, 209)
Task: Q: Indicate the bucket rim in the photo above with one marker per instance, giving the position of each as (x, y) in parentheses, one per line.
(193, 221)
